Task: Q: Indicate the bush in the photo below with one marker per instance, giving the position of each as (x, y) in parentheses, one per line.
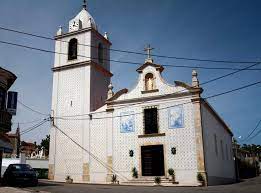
(134, 173)
(42, 173)
(114, 178)
(157, 180)
(201, 179)
(171, 171)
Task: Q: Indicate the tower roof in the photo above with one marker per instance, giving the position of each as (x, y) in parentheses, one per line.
(83, 20)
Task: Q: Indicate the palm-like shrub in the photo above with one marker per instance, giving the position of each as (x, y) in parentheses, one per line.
(134, 173)
(172, 174)
(201, 179)
(157, 180)
(114, 178)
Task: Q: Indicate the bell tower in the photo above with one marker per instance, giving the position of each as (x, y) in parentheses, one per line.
(82, 61)
(81, 76)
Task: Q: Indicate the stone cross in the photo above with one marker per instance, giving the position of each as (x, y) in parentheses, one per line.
(148, 49)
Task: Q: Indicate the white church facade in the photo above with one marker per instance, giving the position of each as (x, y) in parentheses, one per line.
(153, 127)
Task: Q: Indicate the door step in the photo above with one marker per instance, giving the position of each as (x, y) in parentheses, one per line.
(149, 181)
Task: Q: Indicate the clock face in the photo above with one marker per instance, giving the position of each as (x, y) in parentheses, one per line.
(74, 26)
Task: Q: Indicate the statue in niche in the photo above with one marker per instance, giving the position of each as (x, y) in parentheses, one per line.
(149, 81)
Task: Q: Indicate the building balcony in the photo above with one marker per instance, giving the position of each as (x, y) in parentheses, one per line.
(5, 121)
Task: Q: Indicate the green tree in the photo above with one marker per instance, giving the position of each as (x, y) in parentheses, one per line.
(45, 144)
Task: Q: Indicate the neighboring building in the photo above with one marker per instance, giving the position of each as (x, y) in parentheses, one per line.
(7, 78)
(15, 141)
(28, 148)
(152, 127)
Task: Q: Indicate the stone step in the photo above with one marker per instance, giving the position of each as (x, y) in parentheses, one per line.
(149, 181)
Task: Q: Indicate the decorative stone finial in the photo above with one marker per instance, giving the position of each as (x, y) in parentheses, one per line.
(60, 31)
(195, 82)
(148, 49)
(110, 92)
(84, 5)
(90, 21)
(106, 36)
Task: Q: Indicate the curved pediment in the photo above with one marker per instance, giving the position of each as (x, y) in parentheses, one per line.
(151, 84)
(118, 94)
(188, 87)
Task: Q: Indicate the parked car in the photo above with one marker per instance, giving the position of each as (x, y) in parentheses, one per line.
(20, 175)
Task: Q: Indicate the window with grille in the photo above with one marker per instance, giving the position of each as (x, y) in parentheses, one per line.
(150, 120)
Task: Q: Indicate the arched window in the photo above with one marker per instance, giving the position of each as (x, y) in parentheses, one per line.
(72, 50)
(149, 82)
(100, 53)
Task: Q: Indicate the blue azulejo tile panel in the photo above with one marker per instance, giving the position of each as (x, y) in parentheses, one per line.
(127, 122)
(176, 117)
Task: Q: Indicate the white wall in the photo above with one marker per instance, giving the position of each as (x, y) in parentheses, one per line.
(71, 96)
(34, 163)
(220, 169)
(184, 162)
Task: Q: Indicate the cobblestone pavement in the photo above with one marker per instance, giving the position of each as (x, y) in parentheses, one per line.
(248, 186)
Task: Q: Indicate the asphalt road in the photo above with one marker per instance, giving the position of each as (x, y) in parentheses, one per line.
(249, 186)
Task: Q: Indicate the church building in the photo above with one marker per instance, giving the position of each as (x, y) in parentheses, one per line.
(156, 126)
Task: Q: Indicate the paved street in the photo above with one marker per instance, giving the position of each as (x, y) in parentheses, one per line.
(249, 186)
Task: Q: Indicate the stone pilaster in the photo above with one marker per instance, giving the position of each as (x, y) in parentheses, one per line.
(86, 172)
(109, 172)
(51, 172)
(199, 138)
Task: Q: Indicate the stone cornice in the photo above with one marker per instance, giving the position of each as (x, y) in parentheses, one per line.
(73, 33)
(149, 98)
(82, 64)
(157, 66)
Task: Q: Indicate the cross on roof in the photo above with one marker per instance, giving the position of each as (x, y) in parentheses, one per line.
(148, 49)
(84, 5)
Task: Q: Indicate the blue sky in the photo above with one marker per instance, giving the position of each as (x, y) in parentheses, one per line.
(210, 29)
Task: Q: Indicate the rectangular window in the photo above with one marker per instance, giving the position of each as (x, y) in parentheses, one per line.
(151, 120)
(226, 152)
(222, 150)
(216, 147)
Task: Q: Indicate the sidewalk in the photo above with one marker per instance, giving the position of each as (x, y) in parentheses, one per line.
(12, 190)
(17, 190)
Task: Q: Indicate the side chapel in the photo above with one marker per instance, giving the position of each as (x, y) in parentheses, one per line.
(153, 127)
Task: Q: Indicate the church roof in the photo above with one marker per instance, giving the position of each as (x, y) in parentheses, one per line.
(157, 66)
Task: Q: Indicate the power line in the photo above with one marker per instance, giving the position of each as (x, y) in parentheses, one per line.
(91, 154)
(255, 135)
(34, 127)
(132, 52)
(124, 62)
(205, 82)
(26, 122)
(209, 97)
(31, 109)
(253, 130)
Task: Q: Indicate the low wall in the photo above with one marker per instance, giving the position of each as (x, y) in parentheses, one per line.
(34, 163)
